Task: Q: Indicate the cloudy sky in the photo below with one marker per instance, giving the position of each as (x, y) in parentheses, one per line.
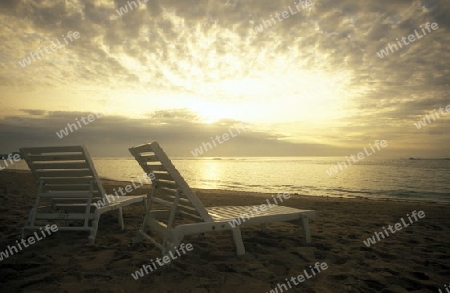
(183, 71)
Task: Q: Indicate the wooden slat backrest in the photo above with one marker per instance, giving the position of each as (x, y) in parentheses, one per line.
(152, 158)
(63, 168)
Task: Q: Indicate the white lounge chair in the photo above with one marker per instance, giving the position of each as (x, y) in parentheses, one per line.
(171, 191)
(68, 188)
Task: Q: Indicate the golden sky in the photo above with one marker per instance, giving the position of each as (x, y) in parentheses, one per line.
(182, 71)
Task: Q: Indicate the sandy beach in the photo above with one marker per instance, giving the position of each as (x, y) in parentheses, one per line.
(414, 259)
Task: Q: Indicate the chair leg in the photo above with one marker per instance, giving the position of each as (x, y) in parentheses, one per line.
(177, 237)
(27, 223)
(305, 224)
(94, 227)
(237, 237)
(264, 228)
(120, 216)
(138, 238)
(23, 234)
(144, 230)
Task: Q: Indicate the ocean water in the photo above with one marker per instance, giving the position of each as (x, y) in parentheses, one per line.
(421, 179)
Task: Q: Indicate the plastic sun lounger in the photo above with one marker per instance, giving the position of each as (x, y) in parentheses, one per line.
(68, 188)
(171, 191)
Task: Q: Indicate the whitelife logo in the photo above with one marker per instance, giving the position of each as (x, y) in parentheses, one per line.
(53, 48)
(109, 198)
(258, 210)
(281, 287)
(30, 240)
(225, 137)
(166, 260)
(10, 158)
(423, 123)
(285, 14)
(124, 9)
(397, 226)
(90, 118)
(446, 289)
(360, 155)
(411, 38)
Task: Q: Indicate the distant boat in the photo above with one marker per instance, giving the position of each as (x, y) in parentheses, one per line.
(445, 159)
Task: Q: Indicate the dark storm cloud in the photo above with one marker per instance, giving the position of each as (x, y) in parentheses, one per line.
(34, 112)
(177, 130)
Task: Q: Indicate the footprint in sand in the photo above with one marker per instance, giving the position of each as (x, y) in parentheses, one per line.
(339, 277)
(387, 256)
(320, 254)
(370, 256)
(375, 285)
(419, 275)
(341, 261)
(410, 284)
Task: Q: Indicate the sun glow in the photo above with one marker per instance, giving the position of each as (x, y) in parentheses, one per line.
(311, 95)
(210, 112)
